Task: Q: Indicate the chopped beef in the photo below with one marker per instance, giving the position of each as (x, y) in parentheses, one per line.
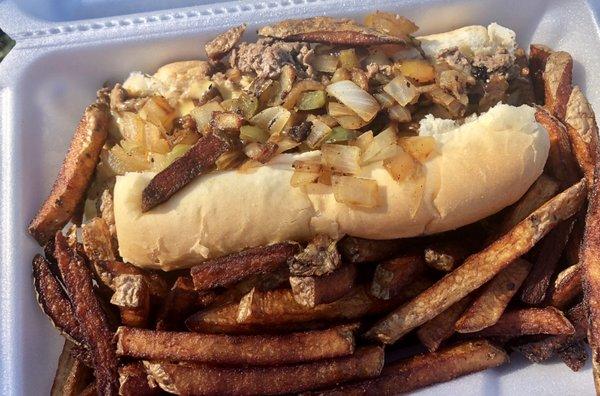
(495, 91)
(266, 57)
(499, 61)
(456, 60)
(299, 133)
(455, 83)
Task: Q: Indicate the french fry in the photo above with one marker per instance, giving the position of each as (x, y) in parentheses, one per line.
(494, 298)
(78, 283)
(575, 239)
(188, 379)
(561, 163)
(590, 262)
(181, 301)
(359, 250)
(89, 390)
(72, 376)
(538, 56)
(132, 296)
(328, 30)
(539, 193)
(583, 132)
(480, 267)
(566, 287)
(97, 240)
(133, 381)
(527, 321)
(574, 355)
(431, 368)
(558, 75)
(227, 270)
(393, 275)
(535, 287)
(277, 309)
(236, 350)
(108, 271)
(320, 257)
(440, 328)
(75, 174)
(314, 290)
(53, 301)
(182, 171)
(446, 253)
(544, 349)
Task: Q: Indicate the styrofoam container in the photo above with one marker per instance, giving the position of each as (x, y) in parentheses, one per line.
(63, 56)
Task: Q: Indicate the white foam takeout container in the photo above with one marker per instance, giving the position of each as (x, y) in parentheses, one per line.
(67, 49)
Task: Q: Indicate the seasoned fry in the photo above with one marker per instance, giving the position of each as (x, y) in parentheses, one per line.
(328, 30)
(440, 328)
(224, 42)
(538, 56)
(75, 174)
(527, 321)
(566, 287)
(542, 190)
(277, 309)
(93, 322)
(97, 240)
(133, 381)
(558, 75)
(536, 284)
(203, 379)
(428, 369)
(561, 163)
(320, 257)
(313, 290)
(236, 350)
(494, 298)
(583, 132)
(108, 271)
(574, 355)
(393, 275)
(480, 267)
(359, 250)
(132, 296)
(590, 261)
(544, 349)
(53, 301)
(227, 270)
(194, 162)
(72, 376)
(181, 301)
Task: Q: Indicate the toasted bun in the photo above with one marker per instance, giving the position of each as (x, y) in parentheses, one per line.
(483, 165)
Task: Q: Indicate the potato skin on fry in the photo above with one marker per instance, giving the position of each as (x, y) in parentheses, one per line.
(226, 270)
(197, 160)
(72, 376)
(75, 174)
(236, 350)
(190, 379)
(428, 369)
(313, 290)
(528, 321)
(558, 77)
(490, 304)
(479, 268)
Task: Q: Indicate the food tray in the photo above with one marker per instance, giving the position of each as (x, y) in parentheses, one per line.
(67, 49)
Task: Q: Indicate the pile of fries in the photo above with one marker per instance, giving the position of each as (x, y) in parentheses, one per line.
(290, 318)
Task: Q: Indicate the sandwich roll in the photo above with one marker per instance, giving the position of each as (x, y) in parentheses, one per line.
(481, 166)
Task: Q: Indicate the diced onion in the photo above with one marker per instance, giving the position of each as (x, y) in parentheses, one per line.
(159, 112)
(385, 99)
(348, 59)
(272, 119)
(305, 172)
(251, 133)
(363, 141)
(336, 109)
(399, 113)
(420, 148)
(355, 191)
(325, 63)
(357, 99)
(401, 166)
(383, 146)
(341, 74)
(341, 159)
(301, 86)
(341, 134)
(402, 90)
(203, 114)
(312, 100)
(418, 69)
(319, 132)
(229, 160)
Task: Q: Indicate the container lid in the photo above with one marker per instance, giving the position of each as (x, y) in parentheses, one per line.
(24, 19)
